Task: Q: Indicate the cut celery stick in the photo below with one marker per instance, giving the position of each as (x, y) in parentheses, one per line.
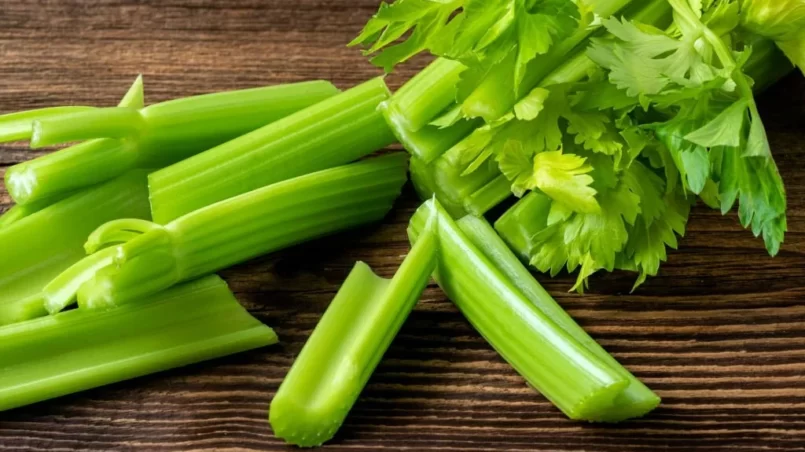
(162, 134)
(39, 247)
(78, 350)
(426, 94)
(334, 132)
(35, 185)
(636, 400)
(562, 369)
(229, 232)
(347, 345)
(19, 126)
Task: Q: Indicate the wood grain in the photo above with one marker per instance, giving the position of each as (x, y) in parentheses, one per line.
(720, 334)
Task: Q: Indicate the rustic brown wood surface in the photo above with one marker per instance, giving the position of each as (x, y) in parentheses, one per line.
(720, 334)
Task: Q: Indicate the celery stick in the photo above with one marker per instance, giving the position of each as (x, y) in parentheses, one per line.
(37, 248)
(19, 126)
(78, 350)
(577, 381)
(429, 142)
(155, 257)
(426, 95)
(18, 212)
(346, 346)
(168, 132)
(636, 400)
(334, 132)
(35, 185)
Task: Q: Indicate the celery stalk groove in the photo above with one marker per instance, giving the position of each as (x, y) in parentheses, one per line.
(339, 357)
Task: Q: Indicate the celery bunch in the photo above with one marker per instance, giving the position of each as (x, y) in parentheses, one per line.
(609, 118)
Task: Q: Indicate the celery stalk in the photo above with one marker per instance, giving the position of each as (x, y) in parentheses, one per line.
(37, 248)
(152, 137)
(78, 350)
(155, 257)
(19, 126)
(334, 132)
(34, 185)
(577, 381)
(426, 95)
(347, 345)
(20, 211)
(636, 400)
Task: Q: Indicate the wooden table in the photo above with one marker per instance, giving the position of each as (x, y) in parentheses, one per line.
(720, 334)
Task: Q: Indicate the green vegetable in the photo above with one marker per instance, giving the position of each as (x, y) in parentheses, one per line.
(530, 332)
(29, 183)
(18, 212)
(616, 123)
(336, 362)
(154, 257)
(79, 349)
(334, 132)
(636, 400)
(19, 126)
(151, 137)
(40, 246)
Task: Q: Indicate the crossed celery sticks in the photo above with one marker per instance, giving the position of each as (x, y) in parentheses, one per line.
(607, 118)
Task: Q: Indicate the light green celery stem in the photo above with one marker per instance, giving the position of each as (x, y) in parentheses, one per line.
(208, 119)
(336, 131)
(232, 231)
(39, 247)
(527, 218)
(52, 177)
(19, 126)
(345, 348)
(78, 350)
(490, 101)
(19, 212)
(562, 369)
(426, 95)
(429, 142)
(636, 400)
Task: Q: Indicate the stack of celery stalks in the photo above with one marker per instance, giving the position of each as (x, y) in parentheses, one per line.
(608, 119)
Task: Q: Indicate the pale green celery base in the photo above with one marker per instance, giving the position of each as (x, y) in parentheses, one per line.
(78, 350)
(346, 346)
(39, 247)
(19, 126)
(551, 360)
(246, 226)
(336, 131)
(427, 94)
(636, 400)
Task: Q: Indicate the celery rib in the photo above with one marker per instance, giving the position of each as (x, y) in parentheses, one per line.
(78, 350)
(39, 247)
(19, 126)
(576, 380)
(167, 132)
(229, 232)
(637, 399)
(348, 343)
(336, 131)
